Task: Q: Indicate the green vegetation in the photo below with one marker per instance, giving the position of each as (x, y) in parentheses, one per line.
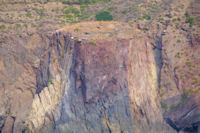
(62, 55)
(178, 55)
(194, 81)
(17, 26)
(54, 60)
(186, 14)
(188, 64)
(5, 66)
(40, 12)
(164, 106)
(50, 81)
(147, 16)
(35, 4)
(76, 39)
(103, 16)
(178, 41)
(190, 20)
(76, 30)
(73, 14)
(27, 115)
(85, 1)
(182, 102)
(29, 14)
(92, 43)
(191, 91)
(2, 27)
(153, 8)
(124, 12)
(10, 83)
(160, 19)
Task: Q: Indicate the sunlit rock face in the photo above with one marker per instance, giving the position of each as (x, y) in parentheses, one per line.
(103, 78)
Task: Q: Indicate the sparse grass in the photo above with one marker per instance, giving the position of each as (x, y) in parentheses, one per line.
(147, 16)
(182, 102)
(50, 81)
(172, 107)
(189, 64)
(111, 8)
(36, 4)
(153, 8)
(176, 67)
(76, 30)
(17, 26)
(40, 12)
(29, 15)
(191, 91)
(5, 66)
(54, 60)
(190, 20)
(178, 55)
(164, 106)
(76, 39)
(160, 19)
(62, 55)
(162, 94)
(92, 43)
(194, 81)
(178, 41)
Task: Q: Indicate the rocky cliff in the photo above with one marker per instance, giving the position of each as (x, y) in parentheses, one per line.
(103, 76)
(96, 77)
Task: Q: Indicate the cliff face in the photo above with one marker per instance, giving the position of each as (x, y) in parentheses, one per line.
(95, 77)
(101, 80)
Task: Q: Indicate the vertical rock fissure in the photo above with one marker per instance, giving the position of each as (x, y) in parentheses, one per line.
(158, 56)
(83, 85)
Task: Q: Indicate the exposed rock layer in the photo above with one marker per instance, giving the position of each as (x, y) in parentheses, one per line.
(108, 83)
(93, 77)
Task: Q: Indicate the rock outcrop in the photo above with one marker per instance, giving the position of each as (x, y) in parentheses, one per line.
(96, 77)
(103, 78)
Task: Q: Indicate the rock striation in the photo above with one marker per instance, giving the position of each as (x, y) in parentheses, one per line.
(102, 78)
(94, 77)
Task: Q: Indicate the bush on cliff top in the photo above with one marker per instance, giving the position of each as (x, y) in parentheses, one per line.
(103, 16)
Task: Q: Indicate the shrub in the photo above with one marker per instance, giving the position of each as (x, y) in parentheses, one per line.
(124, 12)
(190, 20)
(147, 16)
(54, 60)
(75, 11)
(76, 30)
(29, 14)
(2, 27)
(103, 16)
(62, 55)
(92, 43)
